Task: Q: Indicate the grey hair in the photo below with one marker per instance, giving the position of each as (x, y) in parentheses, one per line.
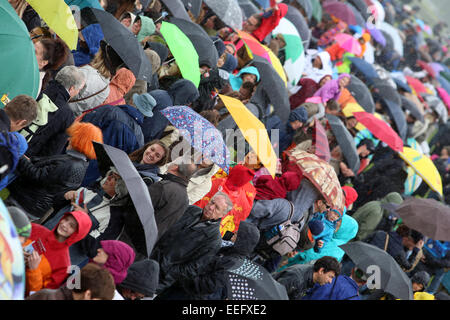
(187, 170)
(120, 187)
(227, 200)
(70, 76)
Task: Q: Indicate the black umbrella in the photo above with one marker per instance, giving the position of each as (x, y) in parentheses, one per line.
(389, 40)
(392, 278)
(396, 114)
(362, 94)
(122, 41)
(362, 7)
(412, 108)
(345, 141)
(194, 6)
(207, 52)
(248, 8)
(361, 66)
(294, 16)
(108, 156)
(247, 280)
(307, 7)
(176, 8)
(385, 91)
(274, 87)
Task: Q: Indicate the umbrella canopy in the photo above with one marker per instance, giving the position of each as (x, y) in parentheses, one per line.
(17, 56)
(294, 16)
(253, 131)
(393, 32)
(348, 43)
(411, 107)
(437, 106)
(58, 16)
(12, 266)
(322, 148)
(416, 85)
(351, 108)
(444, 96)
(207, 53)
(393, 279)
(201, 134)
(362, 94)
(176, 8)
(341, 11)
(380, 129)
(360, 21)
(364, 68)
(183, 51)
(377, 10)
(428, 216)
(108, 156)
(345, 141)
(437, 67)
(428, 68)
(123, 42)
(413, 180)
(84, 3)
(362, 7)
(274, 87)
(250, 281)
(322, 176)
(194, 6)
(295, 59)
(248, 8)
(317, 10)
(385, 91)
(228, 11)
(396, 114)
(424, 167)
(376, 34)
(307, 7)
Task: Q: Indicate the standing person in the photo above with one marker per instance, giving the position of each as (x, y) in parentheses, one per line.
(299, 278)
(46, 136)
(49, 269)
(96, 283)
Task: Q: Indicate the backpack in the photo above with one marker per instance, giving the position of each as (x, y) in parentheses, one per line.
(287, 236)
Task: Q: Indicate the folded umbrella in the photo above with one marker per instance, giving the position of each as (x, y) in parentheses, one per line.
(428, 216)
(345, 141)
(380, 129)
(123, 42)
(411, 107)
(321, 174)
(362, 94)
(424, 167)
(201, 134)
(294, 16)
(254, 132)
(108, 156)
(226, 10)
(17, 56)
(207, 53)
(322, 148)
(183, 51)
(176, 8)
(393, 279)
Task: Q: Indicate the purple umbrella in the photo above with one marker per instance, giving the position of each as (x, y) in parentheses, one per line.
(437, 67)
(201, 134)
(376, 34)
(341, 11)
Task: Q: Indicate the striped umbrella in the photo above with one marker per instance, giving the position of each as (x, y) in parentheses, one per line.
(295, 60)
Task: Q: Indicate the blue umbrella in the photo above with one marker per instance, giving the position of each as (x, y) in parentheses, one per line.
(364, 68)
(84, 3)
(201, 134)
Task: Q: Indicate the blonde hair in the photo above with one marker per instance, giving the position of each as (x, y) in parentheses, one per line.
(98, 63)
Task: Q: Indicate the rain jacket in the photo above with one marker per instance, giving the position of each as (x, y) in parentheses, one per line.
(92, 34)
(307, 90)
(330, 90)
(199, 185)
(52, 270)
(236, 80)
(268, 188)
(341, 288)
(120, 84)
(317, 74)
(270, 22)
(147, 29)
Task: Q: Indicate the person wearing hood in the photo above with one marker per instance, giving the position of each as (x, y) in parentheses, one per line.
(88, 44)
(332, 89)
(120, 84)
(318, 66)
(307, 88)
(49, 269)
(245, 74)
(342, 287)
(143, 27)
(297, 119)
(268, 188)
(371, 214)
(420, 281)
(329, 219)
(241, 192)
(141, 281)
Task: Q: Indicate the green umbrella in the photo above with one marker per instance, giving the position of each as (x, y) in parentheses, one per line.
(317, 10)
(183, 51)
(20, 72)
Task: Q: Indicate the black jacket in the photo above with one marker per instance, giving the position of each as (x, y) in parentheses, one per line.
(50, 139)
(42, 178)
(187, 247)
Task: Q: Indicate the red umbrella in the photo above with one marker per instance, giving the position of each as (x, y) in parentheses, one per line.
(321, 142)
(380, 129)
(341, 11)
(417, 85)
(425, 66)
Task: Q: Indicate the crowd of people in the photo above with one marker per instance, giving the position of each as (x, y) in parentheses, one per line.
(240, 231)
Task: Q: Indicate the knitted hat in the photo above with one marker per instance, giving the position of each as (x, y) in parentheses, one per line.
(144, 103)
(21, 221)
(120, 258)
(350, 195)
(239, 176)
(316, 227)
(218, 43)
(230, 64)
(300, 114)
(421, 277)
(142, 277)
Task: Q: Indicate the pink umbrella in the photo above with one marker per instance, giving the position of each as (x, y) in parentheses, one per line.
(348, 43)
(444, 96)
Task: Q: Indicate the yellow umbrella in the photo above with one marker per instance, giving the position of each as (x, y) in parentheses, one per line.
(253, 131)
(424, 167)
(58, 16)
(352, 107)
(276, 64)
